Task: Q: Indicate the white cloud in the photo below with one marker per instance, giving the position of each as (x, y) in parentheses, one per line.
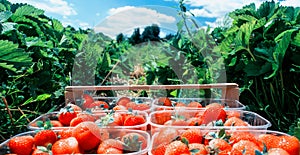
(218, 8)
(60, 7)
(127, 18)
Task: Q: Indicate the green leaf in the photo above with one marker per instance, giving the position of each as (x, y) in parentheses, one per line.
(8, 26)
(279, 53)
(11, 53)
(279, 37)
(35, 41)
(4, 15)
(41, 97)
(233, 61)
(296, 39)
(267, 9)
(57, 25)
(257, 68)
(7, 66)
(27, 10)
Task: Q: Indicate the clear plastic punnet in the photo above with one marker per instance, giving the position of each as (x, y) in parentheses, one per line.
(104, 119)
(185, 119)
(4, 147)
(207, 135)
(197, 103)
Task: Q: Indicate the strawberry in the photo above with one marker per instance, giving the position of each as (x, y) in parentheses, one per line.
(66, 114)
(277, 151)
(165, 135)
(214, 105)
(141, 106)
(269, 140)
(245, 147)
(64, 133)
(131, 105)
(110, 146)
(45, 137)
(194, 104)
(192, 135)
(213, 114)
(161, 117)
(233, 113)
(75, 107)
(88, 100)
(81, 117)
(160, 149)
(290, 144)
(234, 121)
(66, 146)
(220, 146)
(134, 142)
(194, 121)
(41, 150)
(176, 122)
(21, 145)
(177, 148)
(237, 136)
(87, 134)
(119, 107)
(132, 120)
(123, 101)
(164, 101)
(180, 104)
(98, 104)
(198, 149)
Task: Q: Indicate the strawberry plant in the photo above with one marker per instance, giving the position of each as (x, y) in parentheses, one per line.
(37, 54)
(261, 51)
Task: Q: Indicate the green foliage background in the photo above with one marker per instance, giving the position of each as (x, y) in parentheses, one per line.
(258, 49)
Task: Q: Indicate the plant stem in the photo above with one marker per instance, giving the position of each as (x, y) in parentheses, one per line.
(8, 110)
(23, 114)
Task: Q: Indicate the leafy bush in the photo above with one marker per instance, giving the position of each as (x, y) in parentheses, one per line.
(37, 54)
(261, 49)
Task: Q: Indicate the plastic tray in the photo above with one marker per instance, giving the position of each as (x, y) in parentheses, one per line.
(4, 146)
(256, 133)
(227, 103)
(255, 121)
(96, 114)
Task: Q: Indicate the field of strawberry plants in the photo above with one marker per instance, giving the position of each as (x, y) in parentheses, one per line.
(258, 48)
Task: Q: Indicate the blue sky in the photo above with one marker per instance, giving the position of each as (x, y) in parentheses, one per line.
(115, 16)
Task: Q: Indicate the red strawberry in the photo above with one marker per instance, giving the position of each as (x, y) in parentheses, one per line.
(98, 104)
(65, 133)
(177, 148)
(22, 145)
(88, 135)
(277, 151)
(234, 121)
(132, 120)
(134, 142)
(88, 100)
(82, 117)
(66, 114)
(219, 145)
(161, 117)
(141, 106)
(192, 135)
(194, 121)
(165, 135)
(45, 137)
(66, 146)
(40, 150)
(75, 107)
(214, 105)
(119, 107)
(123, 101)
(213, 114)
(198, 149)
(160, 149)
(110, 146)
(180, 104)
(245, 147)
(290, 144)
(194, 104)
(164, 101)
